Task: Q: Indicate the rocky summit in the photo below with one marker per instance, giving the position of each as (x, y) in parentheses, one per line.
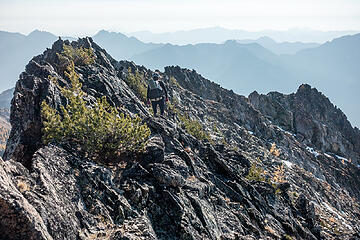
(270, 166)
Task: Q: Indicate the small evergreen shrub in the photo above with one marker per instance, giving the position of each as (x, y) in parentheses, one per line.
(80, 56)
(174, 82)
(137, 83)
(101, 132)
(217, 131)
(256, 173)
(259, 174)
(194, 127)
(288, 237)
(172, 107)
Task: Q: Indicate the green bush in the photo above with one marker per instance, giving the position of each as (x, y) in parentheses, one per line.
(288, 237)
(172, 107)
(174, 82)
(137, 83)
(80, 56)
(101, 132)
(256, 173)
(194, 127)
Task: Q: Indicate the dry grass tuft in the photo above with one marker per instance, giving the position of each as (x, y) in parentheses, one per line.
(187, 149)
(23, 186)
(274, 151)
(270, 230)
(191, 178)
(279, 174)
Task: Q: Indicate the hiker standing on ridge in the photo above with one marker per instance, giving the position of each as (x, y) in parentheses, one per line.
(157, 94)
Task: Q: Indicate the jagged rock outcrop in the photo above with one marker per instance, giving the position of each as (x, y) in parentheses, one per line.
(181, 187)
(102, 78)
(313, 118)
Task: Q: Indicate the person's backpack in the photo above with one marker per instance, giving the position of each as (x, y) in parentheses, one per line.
(155, 90)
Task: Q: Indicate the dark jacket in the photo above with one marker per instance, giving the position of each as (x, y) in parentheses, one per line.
(162, 85)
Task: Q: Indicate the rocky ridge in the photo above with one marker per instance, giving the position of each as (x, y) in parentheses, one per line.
(181, 187)
(313, 118)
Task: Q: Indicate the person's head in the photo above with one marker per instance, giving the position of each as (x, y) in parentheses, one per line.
(155, 76)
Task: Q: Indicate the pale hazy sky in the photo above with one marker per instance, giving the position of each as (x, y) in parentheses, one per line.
(86, 17)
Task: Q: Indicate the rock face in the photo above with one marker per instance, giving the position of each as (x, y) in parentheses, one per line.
(181, 187)
(313, 118)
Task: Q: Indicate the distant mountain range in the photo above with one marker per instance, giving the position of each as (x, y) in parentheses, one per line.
(17, 50)
(235, 66)
(242, 65)
(281, 48)
(121, 46)
(220, 35)
(331, 67)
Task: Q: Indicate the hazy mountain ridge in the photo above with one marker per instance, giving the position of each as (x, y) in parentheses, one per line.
(281, 47)
(121, 46)
(220, 35)
(17, 50)
(231, 64)
(331, 67)
(241, 67)
(181, 187)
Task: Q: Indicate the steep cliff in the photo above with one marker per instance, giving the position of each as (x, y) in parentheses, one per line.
(313, 118)
(181, 187)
